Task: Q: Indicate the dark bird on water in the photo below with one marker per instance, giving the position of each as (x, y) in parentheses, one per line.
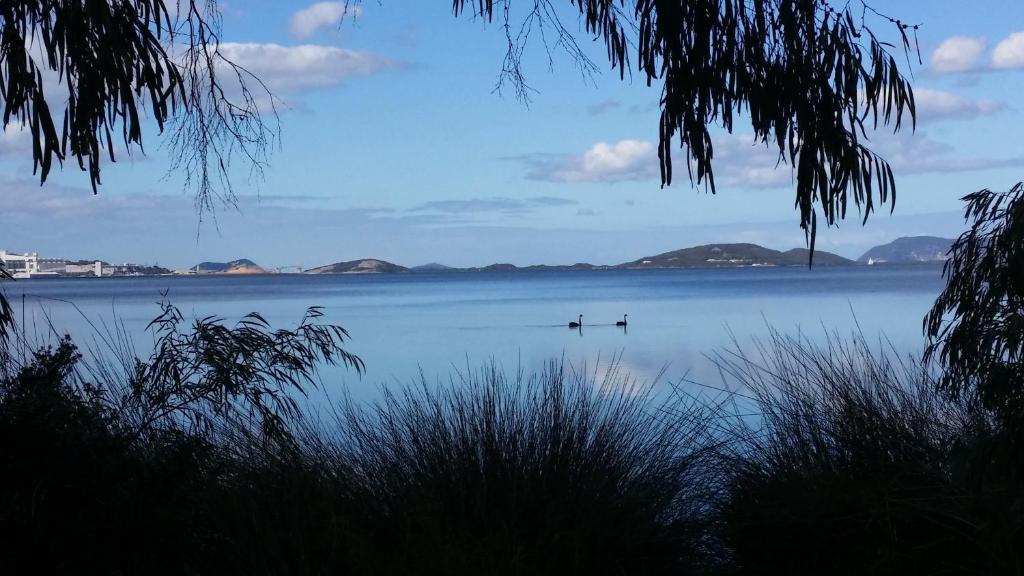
(577, 324)
(623, 321)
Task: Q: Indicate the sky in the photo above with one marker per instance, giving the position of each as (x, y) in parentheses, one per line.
(396, 145)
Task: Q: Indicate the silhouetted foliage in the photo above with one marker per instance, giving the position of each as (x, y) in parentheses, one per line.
(828, 459)
(557, 472)
(77, 495)
(112, 63)
(976, 326)
(6, 315)
(212, 371)
(854, 465)
(811, 78)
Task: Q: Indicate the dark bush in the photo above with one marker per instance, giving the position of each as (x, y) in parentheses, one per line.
(555, 473)
(851, 467)
(75, 495)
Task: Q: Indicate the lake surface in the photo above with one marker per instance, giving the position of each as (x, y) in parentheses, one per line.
(402, 324)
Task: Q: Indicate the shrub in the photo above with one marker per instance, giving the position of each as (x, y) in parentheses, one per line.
(558, 472)
(76, 496)
(850, 468)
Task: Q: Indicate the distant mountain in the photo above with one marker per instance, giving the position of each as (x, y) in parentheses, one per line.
(727, 255)
(432, 267)
(365, 266)
(707, 256)
(240, 266)
(821, 258)
(503, 267)
(909, 250)
(576, 266)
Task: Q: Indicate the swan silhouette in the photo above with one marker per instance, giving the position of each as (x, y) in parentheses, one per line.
(577, 324)
(623, 321)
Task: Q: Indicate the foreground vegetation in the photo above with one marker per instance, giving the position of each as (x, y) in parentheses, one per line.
(201, 457)
(825, 459)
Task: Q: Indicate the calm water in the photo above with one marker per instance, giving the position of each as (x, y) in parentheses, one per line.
(401, 324)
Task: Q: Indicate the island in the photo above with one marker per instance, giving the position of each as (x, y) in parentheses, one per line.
(906, 250)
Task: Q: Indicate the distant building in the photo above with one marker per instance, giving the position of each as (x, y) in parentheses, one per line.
(52, 265)
(20, 265)
(30, 265)
(85, 269)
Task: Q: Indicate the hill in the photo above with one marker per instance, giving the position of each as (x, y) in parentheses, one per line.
(909, 250)
(729, 255)
(799, 256)
(709, 255)
(240, 266)
(576, 266)
(432, 267)
(364, 266)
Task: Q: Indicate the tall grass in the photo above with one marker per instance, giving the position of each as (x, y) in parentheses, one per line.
(854, 466)
(554, 472)
(834, 457)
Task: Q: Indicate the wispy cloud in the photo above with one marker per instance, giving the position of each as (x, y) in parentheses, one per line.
(743, 162)
(307, 22)
(919, 154)
(493, 205)
(603, 106)
(935, 105)
(162, 228)
(647, 108)
(294, 69)
(14, 142)
(740, 161)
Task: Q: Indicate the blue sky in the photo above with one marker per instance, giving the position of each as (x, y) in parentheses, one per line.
(394, 146)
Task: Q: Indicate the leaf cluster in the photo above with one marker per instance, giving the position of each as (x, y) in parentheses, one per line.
(976, 326)
(213, 371)
(82, 76)
(811, 79)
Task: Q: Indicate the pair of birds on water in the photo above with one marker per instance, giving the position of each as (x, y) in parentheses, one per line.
(579, 322)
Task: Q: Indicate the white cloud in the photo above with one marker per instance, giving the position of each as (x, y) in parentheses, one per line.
(307, 22)
(958, 54)
(742, 162)
(290, 69)
(603, 162)
(14, 142)
(738, 161)
(1009, 53)
(939, 105)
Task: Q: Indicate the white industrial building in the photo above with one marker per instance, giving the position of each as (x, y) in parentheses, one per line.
(30, 265)
(20, 265)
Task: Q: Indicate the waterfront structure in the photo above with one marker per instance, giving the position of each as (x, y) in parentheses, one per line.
(86, 269)
(20, 265)
(31, 265)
